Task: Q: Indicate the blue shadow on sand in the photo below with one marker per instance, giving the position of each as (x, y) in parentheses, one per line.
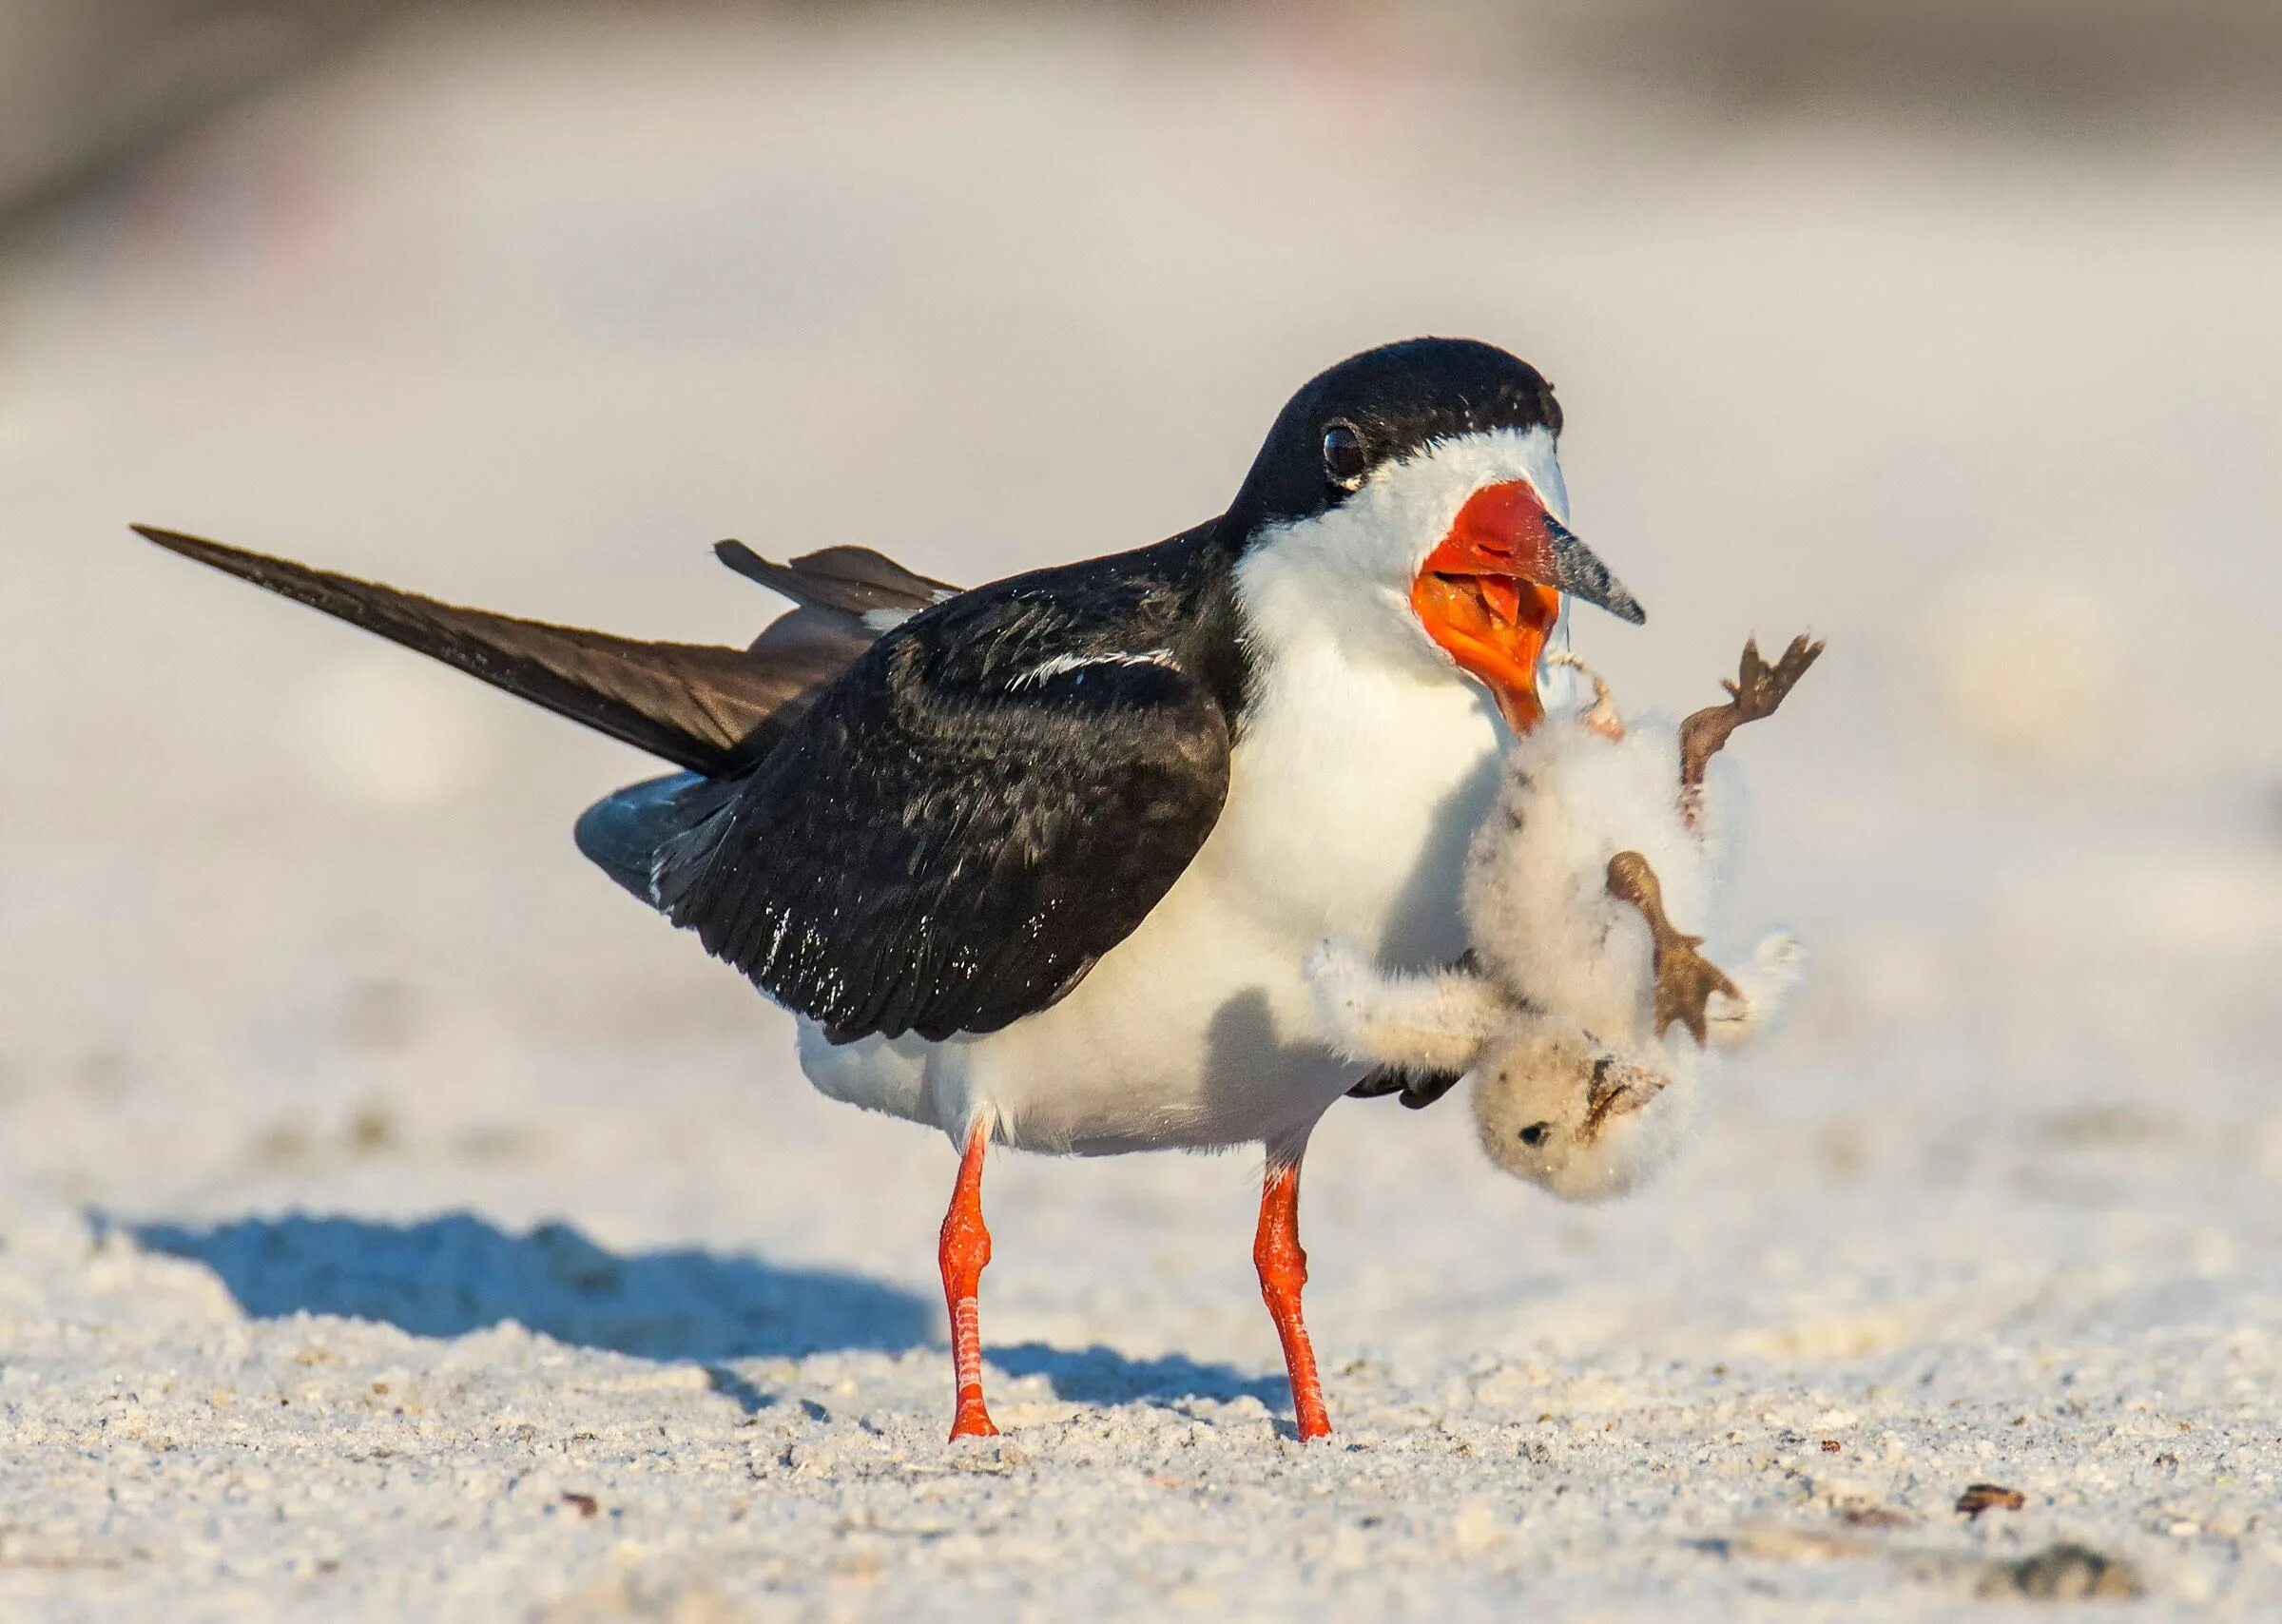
(1099, 1375)
(444, 1277)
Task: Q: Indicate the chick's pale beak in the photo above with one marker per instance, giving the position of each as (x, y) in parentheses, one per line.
(1490, 591)
(1616, 1089)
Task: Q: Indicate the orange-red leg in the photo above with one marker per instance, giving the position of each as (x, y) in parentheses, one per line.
(1283, 1271)
(964, 1249)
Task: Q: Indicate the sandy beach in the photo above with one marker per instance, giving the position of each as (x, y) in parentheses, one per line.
(396, 1222)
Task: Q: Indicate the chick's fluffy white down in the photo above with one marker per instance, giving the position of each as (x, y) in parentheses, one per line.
(1536, 903)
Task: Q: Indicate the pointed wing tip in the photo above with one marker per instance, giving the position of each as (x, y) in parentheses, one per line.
(744, 560)
(182, 542)
(256, 567)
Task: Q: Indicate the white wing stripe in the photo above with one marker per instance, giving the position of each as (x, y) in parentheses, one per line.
(1046, 671)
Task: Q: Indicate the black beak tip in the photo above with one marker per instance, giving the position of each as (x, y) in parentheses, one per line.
(1609, 594)
(1578, 571)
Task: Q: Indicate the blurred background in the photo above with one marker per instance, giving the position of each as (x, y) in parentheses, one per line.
(1947, 330)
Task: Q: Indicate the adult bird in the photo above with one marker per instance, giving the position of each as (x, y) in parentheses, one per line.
(1038, 863)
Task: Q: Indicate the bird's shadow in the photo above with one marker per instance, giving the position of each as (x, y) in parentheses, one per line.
(458, 1273)
(1099, 1375)
(451, 1275)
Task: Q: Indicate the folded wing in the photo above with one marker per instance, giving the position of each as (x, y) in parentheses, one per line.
(949, 838)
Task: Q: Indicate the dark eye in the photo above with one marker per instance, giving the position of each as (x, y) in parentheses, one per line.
(1344, 462)
(1534, 1133)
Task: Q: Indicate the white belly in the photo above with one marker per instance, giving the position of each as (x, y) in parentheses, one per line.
(1353, 795)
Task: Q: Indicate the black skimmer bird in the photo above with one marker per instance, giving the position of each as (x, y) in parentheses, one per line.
(1038, 863)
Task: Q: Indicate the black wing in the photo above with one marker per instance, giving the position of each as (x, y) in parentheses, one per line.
(1418, 1089)
(993, 797)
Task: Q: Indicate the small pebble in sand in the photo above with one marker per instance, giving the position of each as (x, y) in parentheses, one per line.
(1979, 1497)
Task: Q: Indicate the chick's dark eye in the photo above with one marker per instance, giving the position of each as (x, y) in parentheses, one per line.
(1343, 461)
(1534, 1133)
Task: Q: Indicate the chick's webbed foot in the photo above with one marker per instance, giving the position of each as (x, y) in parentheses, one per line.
(1757, 691)
(1685, 982)
(1685, 978)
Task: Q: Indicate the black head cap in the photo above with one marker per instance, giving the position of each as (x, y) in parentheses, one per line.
(1381, 406)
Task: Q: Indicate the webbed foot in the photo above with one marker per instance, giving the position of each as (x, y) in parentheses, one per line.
(1685, 979)
(1757, 691)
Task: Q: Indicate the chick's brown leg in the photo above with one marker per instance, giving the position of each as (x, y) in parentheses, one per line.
(1758, 689)
(1601, 717)
(1685, 978)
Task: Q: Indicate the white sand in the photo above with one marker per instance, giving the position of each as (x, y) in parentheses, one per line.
(374, 1180)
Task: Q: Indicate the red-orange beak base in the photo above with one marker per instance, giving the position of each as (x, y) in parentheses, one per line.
(1482, 595)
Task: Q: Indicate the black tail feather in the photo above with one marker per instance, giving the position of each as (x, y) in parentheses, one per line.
(708, 709)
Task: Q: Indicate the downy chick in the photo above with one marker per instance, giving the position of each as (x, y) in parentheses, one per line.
(1562, 1011)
